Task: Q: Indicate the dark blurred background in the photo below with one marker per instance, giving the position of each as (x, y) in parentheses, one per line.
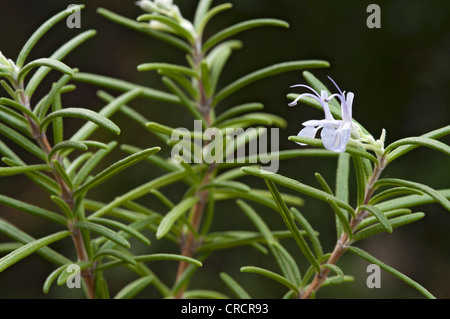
(400, 75)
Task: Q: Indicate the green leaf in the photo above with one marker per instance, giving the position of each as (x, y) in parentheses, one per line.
(51, 278)
(238, 110)
(41, 179)
(59, 54)
(103, 231)
(256, 220)
(389, 214)
(420, 187)
(394, 223)
(66, 145)
(251, 119)
(134, 287)
(16, 170)
(30, 248)
(266, 72)
(164, 199)
(23, 142)
(81, 113)
(8, 89)
(363, 254)
(91, 163)
(342, 217)
(204, 294)
(167, 66)
(63, 206)
(183, 81)
(60, 171)
(162, 257)
(235, 239)
(419, 141)
(411, 201)
(201, 10)
(354, 150)
(142, 190)
(323, 183)
(216, 60)
(32, 210)
(271, 275)
(310, 231)
(201, 24)
(337, 280)
(174, 214)
(6, 248)
(19, 107)
(70, 271)
(116, 254)
(26, 49)
(16, 234)
(378, 214)
(189, 104)
(164, 129)
(145, 29)
(240, 27)
(393, 192)
(15, 121)
(402, 150)
(361, 179)
(287, 264)
(234, 286)
(342, 187)
(340, 274)
(297, 186)
(111, 108)
(57, 89)
(205, 78)
(123, 86)
(127, 229)
(116, 168)
(228, 184)
(58, 127)
(290, 223)
(172, 24)
(47, 62)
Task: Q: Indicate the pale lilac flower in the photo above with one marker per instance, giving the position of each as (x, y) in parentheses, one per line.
(335, 134)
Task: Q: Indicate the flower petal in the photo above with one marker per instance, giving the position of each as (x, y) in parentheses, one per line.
(308, 131)
(347, 114)
(335, 139)
(322, 123)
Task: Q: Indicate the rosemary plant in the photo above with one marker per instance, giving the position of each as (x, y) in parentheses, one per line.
(205, 161)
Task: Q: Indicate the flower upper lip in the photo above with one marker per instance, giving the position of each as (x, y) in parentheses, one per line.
(335, 134)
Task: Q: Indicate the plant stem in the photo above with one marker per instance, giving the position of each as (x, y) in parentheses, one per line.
(204, 104)
(66, 194)
(344, 241)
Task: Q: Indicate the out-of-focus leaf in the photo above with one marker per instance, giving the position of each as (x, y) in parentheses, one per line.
(365, 255)
(234, 286)
(174, 214)
(30, 248)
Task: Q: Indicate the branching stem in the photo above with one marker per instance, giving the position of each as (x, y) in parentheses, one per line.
(66, 193)
(204, 105)
(344, 241)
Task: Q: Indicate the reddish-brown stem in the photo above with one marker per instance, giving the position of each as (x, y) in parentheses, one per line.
(189, 242)
(66, 195)
(344, 241)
